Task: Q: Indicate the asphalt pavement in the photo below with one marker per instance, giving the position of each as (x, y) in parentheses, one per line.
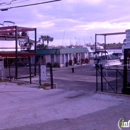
(73, 105)
(25, 107)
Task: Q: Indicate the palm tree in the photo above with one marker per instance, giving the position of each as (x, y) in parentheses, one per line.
(42, 39)
(49, 39)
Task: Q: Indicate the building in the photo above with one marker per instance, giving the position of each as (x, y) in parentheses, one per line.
(62, 56)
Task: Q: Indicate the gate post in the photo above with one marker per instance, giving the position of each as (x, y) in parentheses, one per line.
(51, 76)
(101, 77)
(96, 77)
(116, 81)
(126, 89)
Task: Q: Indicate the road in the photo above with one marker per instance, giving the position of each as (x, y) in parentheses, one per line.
(75, 105)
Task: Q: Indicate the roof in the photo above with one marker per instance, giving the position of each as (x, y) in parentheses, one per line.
(8, 29)
(73, 50)
(61, 51)
(12, 54)
(4, 32)
(115, 33)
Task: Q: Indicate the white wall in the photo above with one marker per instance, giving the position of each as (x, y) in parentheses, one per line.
(32, 59)
(61, 59)
(8, 46)
(82, 55)
(48, 58)
(57, 57)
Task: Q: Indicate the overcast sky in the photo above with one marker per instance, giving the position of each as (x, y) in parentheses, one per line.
(71, 21)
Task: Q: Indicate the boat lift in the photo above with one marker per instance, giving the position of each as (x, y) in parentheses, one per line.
(5, 32)
(126, 83)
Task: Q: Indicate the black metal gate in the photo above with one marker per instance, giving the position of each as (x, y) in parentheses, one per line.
(109, 79)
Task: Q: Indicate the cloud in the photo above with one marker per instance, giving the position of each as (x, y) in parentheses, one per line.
(76, 18)
(85, 1)
(103, 25)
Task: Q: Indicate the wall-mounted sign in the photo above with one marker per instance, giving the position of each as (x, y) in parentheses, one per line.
(43, 72)
(2, 70)
(1, 65)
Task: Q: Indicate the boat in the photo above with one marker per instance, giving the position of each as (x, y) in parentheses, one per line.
(106, 59)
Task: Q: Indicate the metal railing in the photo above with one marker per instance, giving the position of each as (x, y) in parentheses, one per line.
(100, 78)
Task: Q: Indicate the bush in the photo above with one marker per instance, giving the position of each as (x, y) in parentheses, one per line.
(56, 64)
(70, 62)
(48, 64)
(82, 61)
(86, 60)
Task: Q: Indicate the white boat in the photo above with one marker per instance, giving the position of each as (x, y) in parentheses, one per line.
(106, 59)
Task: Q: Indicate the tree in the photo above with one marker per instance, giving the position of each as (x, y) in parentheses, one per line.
(41, 46)
(42, 40)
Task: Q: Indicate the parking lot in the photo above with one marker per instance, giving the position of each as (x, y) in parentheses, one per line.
(83, 77)
(74, 105)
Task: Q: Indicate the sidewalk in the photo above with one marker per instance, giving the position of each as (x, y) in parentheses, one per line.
(25, 107)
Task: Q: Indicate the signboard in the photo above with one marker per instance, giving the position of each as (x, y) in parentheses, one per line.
(2, 69)
(1, 65)
(43, 72)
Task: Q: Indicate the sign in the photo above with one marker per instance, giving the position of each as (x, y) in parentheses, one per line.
(2, 69)
(122, 124)
(1, 65)
(43, 72)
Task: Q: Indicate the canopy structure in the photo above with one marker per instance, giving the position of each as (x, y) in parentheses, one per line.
(126, 88)
(106, 34)
(15, 33)
(12, 54)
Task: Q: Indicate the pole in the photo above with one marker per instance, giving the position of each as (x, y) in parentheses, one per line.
(30, 70)
(96, 77)
(35, 50)
(125, 71)
(101, 78)
(95, 42)
(39, 74)
(105, 42)
(16, 52)
(116, 81)
(51, 76)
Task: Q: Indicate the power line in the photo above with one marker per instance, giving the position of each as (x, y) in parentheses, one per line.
(3, 3)
(22, 1)
(7, 3)
(5, 9)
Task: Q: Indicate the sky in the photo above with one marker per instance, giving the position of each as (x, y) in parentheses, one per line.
(71, 21)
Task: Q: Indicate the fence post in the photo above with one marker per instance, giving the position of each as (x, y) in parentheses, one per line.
(51, 76)
(101, 77)
(116, 81)
(72, 69)
(96, 77)
(39, 73)
(30, 73)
